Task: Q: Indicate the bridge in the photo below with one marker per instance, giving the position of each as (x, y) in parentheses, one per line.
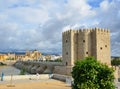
(34, 67)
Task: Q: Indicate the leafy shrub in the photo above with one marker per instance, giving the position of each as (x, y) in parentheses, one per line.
(91, 74)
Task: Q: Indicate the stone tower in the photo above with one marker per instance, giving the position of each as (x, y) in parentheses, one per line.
(78, 44)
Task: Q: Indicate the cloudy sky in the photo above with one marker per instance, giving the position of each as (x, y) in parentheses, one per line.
(38, 24)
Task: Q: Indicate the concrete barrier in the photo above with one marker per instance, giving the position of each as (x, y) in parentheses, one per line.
(69, 81)
(65, 78)
(30, 77)
(60, 77)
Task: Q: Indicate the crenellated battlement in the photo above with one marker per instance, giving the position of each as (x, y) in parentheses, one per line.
(67, 32)
(98, 30)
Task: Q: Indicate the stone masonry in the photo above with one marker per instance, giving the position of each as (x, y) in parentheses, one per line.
(78, 44)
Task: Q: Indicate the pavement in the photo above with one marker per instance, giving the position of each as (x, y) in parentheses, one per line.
(34, 84)
(117, 85)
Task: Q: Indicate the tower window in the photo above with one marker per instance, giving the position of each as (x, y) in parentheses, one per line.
(66, 53)
(66, 63)
(66, 41)
(105, 45)
(83, 41)
(86, 52)
(101, 48)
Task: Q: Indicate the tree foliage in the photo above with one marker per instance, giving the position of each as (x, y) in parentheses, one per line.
(91, 74)
(56, 60)
(10, 58)
(115, 62)
(23, 71)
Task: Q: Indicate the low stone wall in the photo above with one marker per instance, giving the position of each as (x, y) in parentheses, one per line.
(61, 77)
(65, 78)
(37, 76)
(30, 77)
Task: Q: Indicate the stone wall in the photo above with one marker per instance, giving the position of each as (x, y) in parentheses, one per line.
(61, 77)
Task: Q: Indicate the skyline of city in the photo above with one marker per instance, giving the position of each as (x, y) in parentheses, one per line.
(38, 24)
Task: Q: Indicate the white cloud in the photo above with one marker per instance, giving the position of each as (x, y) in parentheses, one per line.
(19, 20)
(81, 7)
(27, 15)
(104, 5)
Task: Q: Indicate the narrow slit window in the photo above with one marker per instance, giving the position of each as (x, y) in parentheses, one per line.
(66, 63)
(86, 52)
(83, 41)
(66, 53)
(106, 46)
(66, 41)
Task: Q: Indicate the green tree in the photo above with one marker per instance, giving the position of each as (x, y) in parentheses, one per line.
(115, 62)
(22, 71)
(58, 60)
(10, 58)
(91, 74)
